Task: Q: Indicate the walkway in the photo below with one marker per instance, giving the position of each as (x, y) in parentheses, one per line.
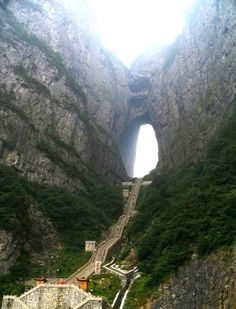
(115, 234)
(49, 296)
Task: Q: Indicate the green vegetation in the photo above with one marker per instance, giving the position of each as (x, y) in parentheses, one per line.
(75, 217)
(63, 145)
(6, 102)
(73, 84)
(61, 263)
(32, 82)
(208, 99)
(70, 168)
(53, 57)
(87, 172)
(12, 282)
(137, 296)
(191, 209)
(99, 202)
(105, 285)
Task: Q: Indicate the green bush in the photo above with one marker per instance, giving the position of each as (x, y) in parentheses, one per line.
(6, 102)
(190, 209)
(32, 82)
(75, 216)
(105, 285)
(54, 58)
(70, 168)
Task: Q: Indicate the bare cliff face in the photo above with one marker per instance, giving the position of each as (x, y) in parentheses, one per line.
(188, 89)
(73, 110)
(201, 284)
(62, 96)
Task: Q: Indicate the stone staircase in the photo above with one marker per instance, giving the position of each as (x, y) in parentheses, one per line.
(13, 302)
(66, 296)
(51, 296)
(115, 234)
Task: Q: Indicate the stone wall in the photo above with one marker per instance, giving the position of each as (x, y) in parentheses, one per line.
(13, 302)
(96, 303)
(53, 297)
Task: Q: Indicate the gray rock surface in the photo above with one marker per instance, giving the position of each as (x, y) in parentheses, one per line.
(202, 284)
(67, 106)
(41, 240)
(85, 105)
(42, 237)
(10, 249)
(192, 83)
(65, 93)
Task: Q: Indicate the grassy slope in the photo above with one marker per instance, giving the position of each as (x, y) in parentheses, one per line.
(105, 285)
(186, 210)
(76, 217)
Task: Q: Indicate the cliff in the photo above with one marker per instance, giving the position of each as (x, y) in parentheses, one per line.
(70, 113)
(204, 284)
(75, 110)
(62, 95)
(188, 89)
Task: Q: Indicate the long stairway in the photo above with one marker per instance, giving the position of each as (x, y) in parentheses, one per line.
(51, 296)
(115, 234)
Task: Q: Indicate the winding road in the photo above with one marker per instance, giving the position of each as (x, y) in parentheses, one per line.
(116, 232)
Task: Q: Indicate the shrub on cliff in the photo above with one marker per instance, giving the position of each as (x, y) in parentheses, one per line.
(75, 216)
(191, 209)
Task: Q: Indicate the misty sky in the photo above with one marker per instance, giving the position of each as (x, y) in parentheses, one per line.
(129, 27)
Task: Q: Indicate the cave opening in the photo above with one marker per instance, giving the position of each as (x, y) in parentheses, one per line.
(139, 147)
(146, 157)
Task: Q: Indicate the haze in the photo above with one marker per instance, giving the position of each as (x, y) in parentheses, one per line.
(130, 27)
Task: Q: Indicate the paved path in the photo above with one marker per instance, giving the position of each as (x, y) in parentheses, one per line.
(115, 234)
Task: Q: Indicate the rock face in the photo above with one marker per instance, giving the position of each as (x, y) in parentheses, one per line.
(10, 249)
(202, 284)
(142, 71)
(41, 240)
(43, 237)
(72, 108)
(68, 108)
(192, 83)
(61, 97)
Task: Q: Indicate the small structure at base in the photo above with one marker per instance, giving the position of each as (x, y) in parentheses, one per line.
(40, 280)
(127, 183)
(125, 193)
(83, 284)
(90, 245)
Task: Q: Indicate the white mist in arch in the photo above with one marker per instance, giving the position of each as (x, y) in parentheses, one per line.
(146, 151)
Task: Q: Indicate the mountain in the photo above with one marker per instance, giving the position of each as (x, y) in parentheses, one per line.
(70, 114)
(60, 94)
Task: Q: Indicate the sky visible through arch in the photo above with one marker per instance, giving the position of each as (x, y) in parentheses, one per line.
(130, 27)
(146, 151)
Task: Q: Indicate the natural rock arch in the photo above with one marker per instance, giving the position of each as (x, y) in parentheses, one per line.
(138, 115)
